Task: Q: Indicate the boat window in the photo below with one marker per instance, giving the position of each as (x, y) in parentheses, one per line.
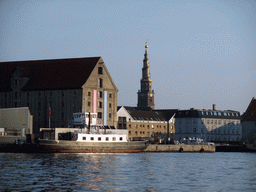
(107, 139)
(84, 138)
(113, 139)
(92, 138)
(99, 138)
(121, 139)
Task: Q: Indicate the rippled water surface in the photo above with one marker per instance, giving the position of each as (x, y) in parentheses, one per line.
(128, 172)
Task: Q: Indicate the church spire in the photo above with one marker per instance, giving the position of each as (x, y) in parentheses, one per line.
(146, 94)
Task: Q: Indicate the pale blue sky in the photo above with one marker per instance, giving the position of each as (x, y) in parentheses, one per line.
(201, 52)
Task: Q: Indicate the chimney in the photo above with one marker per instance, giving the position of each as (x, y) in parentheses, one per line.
(214, 107)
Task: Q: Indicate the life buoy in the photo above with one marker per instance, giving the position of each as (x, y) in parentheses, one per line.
(181, 149)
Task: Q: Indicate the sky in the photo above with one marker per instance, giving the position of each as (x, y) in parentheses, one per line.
(201, 52)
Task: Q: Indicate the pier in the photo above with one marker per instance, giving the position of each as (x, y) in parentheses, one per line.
(180, 148)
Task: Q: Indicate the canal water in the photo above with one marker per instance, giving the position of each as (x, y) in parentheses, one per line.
(128, 172)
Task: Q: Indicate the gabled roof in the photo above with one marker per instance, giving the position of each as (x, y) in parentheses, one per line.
(69, 73)
(167, 113)
(250, 113)
(146, 115)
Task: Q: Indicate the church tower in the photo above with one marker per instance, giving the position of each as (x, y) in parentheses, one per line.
(146, 94)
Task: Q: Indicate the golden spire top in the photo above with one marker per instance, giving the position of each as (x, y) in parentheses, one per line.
(146, 46)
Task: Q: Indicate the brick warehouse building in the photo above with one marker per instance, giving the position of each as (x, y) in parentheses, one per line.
(66, 85)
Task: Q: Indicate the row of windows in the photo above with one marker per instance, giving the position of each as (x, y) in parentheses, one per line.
(212, 122)
(220, 113)
(39, 94)
(148, 126)
(100, 115)
(101, 139)
(147, 134)
(220, 122)
(100, 104)
(100, 94)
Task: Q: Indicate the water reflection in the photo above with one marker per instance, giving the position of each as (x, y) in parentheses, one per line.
(128, 172)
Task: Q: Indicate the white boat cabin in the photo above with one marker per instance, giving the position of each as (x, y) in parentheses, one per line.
(82, 120)
(83, 137)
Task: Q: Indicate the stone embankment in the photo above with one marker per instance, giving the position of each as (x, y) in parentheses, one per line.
(180, 148)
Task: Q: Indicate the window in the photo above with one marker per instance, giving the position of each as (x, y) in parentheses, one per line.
(84, 138)
(89, 103)
(92, 138)
(99, 138)
(136, 133)
(16, 95)
(100, 71)
(107, 139)
(99, 115)
(113, 139)
(100, 83)
(89, 93)
(100, 94)
(100, 104)
(110, 105)
(16, 82)
(110, 95)
(129, 132)
(62, 93)
(109, 115)
(129, 125)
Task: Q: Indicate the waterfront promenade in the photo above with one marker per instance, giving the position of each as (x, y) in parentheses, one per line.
(180, 148)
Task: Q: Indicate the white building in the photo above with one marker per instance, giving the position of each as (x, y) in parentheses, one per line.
(209, 125)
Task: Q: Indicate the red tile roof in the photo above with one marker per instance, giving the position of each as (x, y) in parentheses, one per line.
(49, 74)
(250, 113)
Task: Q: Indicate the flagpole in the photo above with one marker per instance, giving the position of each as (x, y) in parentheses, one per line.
(50, 111)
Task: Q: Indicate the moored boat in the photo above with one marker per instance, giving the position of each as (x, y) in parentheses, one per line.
(93, 143)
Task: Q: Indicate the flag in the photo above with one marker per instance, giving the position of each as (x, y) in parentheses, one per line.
(50, 111)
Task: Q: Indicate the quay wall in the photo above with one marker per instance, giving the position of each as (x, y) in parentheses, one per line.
(180, 148)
